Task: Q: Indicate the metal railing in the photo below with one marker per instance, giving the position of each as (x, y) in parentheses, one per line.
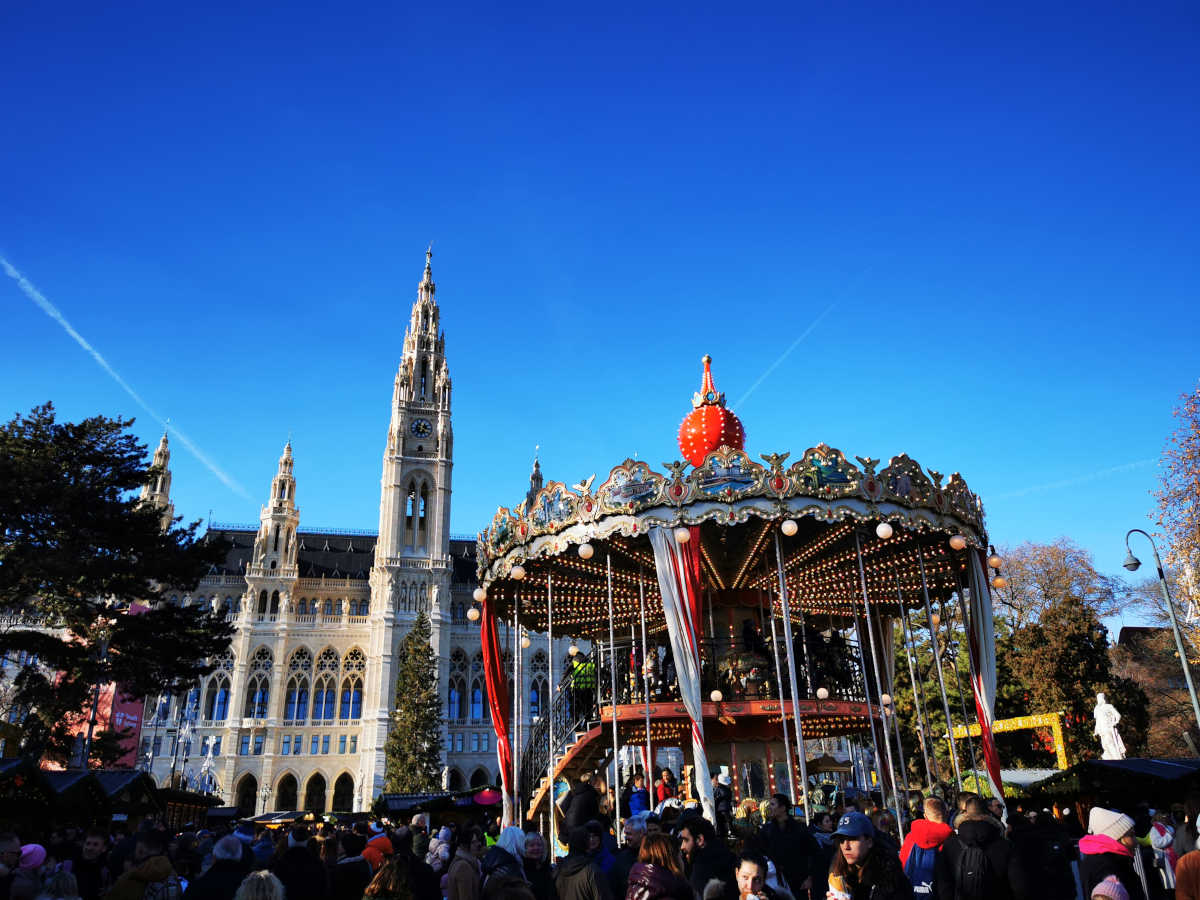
(742, 668)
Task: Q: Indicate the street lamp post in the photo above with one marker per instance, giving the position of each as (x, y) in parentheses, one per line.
(1132, 563)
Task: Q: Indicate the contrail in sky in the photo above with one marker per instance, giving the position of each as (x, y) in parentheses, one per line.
(27, 287)
(805, 333)
(1071, 482)
(775, 365)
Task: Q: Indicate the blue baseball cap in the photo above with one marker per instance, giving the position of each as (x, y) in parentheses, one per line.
(854, 825)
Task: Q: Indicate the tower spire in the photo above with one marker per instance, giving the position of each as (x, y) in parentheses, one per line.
(426, 289)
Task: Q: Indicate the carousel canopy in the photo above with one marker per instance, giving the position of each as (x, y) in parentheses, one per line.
(908, 521)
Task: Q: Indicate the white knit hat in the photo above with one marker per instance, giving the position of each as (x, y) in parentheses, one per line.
(1109, 822)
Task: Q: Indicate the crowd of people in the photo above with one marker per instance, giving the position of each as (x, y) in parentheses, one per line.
(974, 850)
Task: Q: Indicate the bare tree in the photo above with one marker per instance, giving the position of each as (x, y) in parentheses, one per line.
(1042, 575)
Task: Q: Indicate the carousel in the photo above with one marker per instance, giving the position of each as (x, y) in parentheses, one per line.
(733, 609)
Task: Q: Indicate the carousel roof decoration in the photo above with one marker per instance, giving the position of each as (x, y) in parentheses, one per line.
(738, 503)
(709, 426)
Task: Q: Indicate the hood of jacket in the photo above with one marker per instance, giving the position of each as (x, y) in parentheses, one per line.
(581, 787)
(1093, 844)
(156, 868)
(574, 864)
(382, 844)
(929, 834)
(980, 832)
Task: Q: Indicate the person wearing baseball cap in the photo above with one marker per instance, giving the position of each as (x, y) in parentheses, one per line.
(863, 868)
(1107, 852)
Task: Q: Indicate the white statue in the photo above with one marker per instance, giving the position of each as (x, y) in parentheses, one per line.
(1107, 718)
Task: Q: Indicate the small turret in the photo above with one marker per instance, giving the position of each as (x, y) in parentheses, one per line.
(157, 491)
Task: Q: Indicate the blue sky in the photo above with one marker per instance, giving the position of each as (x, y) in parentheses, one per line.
(990, 215)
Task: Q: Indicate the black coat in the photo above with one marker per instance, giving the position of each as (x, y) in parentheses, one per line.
(1095, 867)
(793, 850)
(541, 879)
(350, 877)
(882, 878)
(714, 862)
(302, 873)
(578, 878)
(580, 805)
(1009, 879)
(1046, 850)
(220, 882)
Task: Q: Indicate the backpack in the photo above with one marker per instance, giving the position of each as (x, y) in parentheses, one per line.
(972, 877)
(919, 869)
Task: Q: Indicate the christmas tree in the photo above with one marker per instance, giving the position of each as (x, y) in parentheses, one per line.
(412, 753)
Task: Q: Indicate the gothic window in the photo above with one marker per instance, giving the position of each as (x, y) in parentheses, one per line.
(295, 708)
(328, 611)
(274, 603)
(351, 699)
(457, 706)
(539, 684)
(478, 700)
(364, 608)
(323, 699)
(262, 661)
(216, 699)
(262, 603)
(258, 693)
(275, 539)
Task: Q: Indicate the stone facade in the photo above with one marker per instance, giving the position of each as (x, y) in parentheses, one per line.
(297, 713)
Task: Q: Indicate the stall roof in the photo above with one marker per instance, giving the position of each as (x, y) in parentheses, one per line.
(1097, 773)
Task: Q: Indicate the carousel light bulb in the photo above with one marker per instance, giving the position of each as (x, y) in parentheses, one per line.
(518, 572)
(999, 582)
(822, 693)
(717, 696)
(525, 642)
(884, 530)
(480, 595)
(573, 650)
(789, 527)
(935, 620)
(958, 542)
(683, 535)
(473, 614)
(586, 550)
(885, 699)
(994, 561)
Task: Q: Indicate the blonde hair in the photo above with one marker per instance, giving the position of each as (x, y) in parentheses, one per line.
(260, 886)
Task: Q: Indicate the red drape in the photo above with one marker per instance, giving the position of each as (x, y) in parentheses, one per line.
(497, 691)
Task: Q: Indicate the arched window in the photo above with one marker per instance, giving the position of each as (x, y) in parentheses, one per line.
(275, 541)
(274, 603)
(323, 700)
(328, 608)
(295, 707)
(351, 707)
(216, 699)
(262, 603)
(539, 684)
(477, 700)
(456, 709)
(258, 693)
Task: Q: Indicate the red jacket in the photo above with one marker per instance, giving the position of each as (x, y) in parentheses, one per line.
(925, 833)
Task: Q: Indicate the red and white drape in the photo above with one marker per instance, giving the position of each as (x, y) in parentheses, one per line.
(497, 693)
(678, 569)
(982, 643)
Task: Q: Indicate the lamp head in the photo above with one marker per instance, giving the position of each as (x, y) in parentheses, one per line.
(1132, 563)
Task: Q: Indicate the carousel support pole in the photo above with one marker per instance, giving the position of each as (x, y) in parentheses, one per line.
(918, 689)
(787, 750)
(801, 754)
(550, 711)
(887, 744)
(891, 683)
(517, 691)
(961, 696)
(645, 679)
(615, 784)
(937, 664)
(876, 758)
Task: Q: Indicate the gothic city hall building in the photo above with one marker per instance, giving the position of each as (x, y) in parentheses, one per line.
(296, 713)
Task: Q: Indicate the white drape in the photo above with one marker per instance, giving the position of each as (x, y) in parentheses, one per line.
(685, 645)
(983, 655)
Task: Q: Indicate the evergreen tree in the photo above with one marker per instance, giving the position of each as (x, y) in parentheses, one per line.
(413, 750)
(77, 549)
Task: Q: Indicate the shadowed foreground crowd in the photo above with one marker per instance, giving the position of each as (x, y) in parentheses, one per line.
(970, 855)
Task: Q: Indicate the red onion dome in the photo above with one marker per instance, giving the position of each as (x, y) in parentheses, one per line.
(709, 425)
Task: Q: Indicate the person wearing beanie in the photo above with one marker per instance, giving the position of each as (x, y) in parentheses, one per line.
(1110, 889)
(1109, 851)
